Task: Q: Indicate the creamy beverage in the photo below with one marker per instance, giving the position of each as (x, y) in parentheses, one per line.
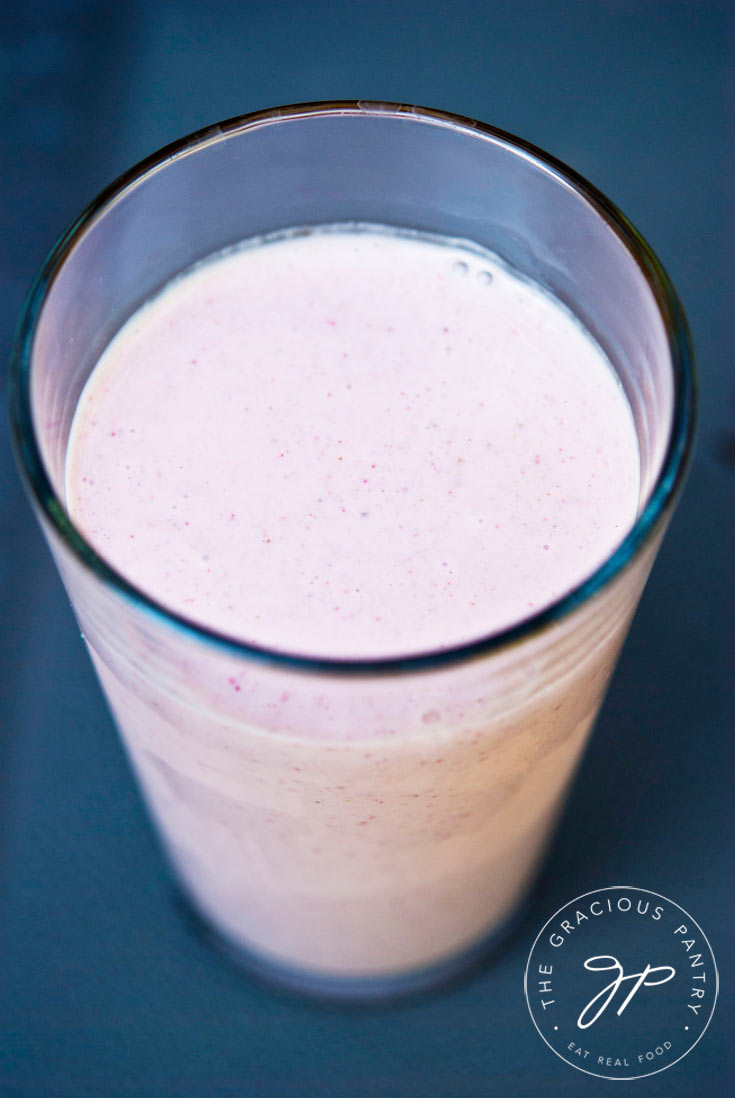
(355, 444)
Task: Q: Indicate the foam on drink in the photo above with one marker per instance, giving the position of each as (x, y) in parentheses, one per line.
(354, 444)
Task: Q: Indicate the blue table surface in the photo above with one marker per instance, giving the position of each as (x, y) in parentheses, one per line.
(104, 989)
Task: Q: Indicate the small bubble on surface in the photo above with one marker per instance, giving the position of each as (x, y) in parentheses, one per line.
(460, 268)
(484, 278)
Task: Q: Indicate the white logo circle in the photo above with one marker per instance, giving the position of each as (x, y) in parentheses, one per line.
(621, 983)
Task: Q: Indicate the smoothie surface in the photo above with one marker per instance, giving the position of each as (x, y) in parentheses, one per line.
(353, 444)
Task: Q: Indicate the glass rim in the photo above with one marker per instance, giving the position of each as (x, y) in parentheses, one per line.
(664, 491)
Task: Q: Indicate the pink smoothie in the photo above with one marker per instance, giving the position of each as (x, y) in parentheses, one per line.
(355, 444)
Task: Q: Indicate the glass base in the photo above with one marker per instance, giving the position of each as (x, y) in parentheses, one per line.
(349, 989)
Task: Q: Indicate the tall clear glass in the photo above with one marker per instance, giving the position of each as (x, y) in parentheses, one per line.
(354, 828)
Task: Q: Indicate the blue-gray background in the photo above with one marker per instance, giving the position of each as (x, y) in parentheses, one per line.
(104, 991)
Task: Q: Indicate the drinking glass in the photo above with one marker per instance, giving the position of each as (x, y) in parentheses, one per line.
(353, 827)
